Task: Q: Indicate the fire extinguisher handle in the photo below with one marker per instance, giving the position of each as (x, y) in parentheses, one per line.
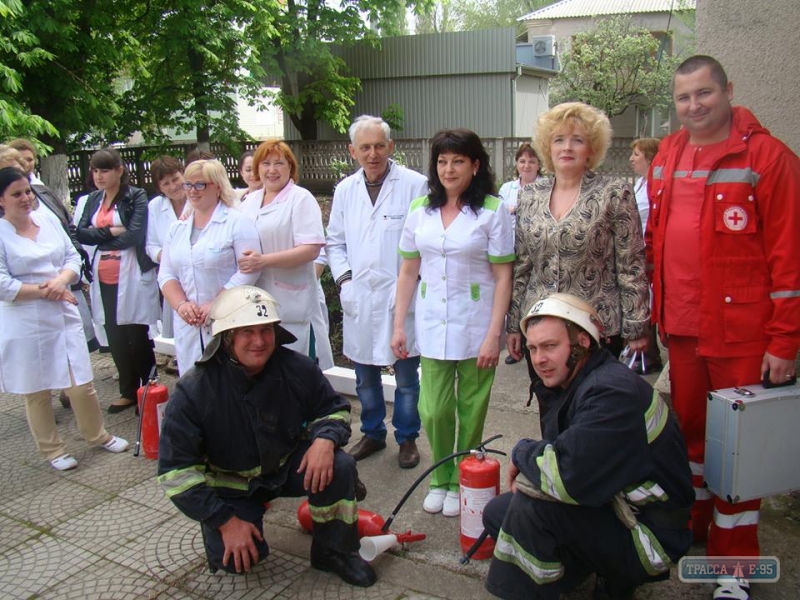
(408, 537)
(153, 376)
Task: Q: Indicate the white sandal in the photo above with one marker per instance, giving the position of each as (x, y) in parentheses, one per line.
(732, 588)
(65, 462)
(116, 445)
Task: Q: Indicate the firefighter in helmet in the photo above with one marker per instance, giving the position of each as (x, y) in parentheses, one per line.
(252, 421)
(607, 489)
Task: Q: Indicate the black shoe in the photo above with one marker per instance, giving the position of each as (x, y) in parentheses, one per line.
(350, 567)
(510, 360)
(366, 446)
(118, 408)
(408, 457)
(361, 490)
(64, 399)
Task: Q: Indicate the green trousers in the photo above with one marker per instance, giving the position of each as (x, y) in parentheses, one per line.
(453, 393)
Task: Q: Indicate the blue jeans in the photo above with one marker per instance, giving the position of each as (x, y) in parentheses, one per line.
(373, 409)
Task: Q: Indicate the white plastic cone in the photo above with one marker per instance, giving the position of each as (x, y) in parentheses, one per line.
(374, 546)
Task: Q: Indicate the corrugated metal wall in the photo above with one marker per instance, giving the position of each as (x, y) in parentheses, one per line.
(445, 80)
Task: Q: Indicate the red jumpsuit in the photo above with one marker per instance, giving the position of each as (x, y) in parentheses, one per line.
(749, 297)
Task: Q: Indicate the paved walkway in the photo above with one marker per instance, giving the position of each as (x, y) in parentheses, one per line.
(105, 531)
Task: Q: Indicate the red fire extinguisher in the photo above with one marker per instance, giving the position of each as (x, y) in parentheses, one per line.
(479, 480)
(152, 398)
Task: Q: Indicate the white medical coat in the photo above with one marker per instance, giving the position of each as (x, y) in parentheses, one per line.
(40, 340)
(292, 219)
(160, 217)
(205, 269)
(363, 239)
(456, 291)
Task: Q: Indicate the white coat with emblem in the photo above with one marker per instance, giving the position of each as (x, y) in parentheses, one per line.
(363, 239)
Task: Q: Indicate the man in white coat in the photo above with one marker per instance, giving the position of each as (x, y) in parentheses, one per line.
(367, 216)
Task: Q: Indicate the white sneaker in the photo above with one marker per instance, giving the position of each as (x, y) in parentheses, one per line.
(65, 462)
(434, 501)
(452, 506)
(116, 445)
(732, 588)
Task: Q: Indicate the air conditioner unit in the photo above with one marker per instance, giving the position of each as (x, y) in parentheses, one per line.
(544, 45)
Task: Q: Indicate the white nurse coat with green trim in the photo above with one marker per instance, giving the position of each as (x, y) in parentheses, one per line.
(456, 291)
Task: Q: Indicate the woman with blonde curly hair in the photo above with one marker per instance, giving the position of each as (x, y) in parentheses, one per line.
(579, 232)
(201, 256)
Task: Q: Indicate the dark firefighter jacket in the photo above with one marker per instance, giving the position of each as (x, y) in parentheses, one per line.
(608, 432)
(226, 434)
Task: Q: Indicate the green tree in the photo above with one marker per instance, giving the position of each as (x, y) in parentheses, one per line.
(477, 14)
(200, 56)
(88, 47)
(315, 83)
(18, 46)
(615, 65)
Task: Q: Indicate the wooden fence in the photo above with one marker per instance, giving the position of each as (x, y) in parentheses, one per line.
(321, 161)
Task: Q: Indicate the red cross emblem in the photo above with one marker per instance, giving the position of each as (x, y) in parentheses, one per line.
(735, 218)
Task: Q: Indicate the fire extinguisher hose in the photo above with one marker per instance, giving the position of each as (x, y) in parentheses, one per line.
(152, 378)
(479, 449)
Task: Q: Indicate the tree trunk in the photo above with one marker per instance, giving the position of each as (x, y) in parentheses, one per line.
(54, 174)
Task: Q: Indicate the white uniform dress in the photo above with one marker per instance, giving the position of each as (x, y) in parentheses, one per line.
(642, 201)
(205, 269)
(363, 239)
(509, 193)
(40, 340)
(160, 217)
(456, 291)
(292, 219)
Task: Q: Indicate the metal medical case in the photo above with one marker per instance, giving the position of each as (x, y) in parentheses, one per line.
(753, 442)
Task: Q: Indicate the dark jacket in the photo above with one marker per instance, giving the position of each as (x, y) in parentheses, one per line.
(54, 204)
(607, 432)
(227, 434)
(132, 208)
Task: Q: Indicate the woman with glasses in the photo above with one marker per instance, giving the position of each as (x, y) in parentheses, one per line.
(289, 223)
(124, 292)
(201, 254)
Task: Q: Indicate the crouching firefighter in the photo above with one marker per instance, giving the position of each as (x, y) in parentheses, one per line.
(249, 422)
(607, 490)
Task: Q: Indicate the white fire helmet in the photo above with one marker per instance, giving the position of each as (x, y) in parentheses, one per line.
(242, 306)
(567, 307)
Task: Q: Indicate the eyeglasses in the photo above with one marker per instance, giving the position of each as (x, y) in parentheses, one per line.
(199, 186)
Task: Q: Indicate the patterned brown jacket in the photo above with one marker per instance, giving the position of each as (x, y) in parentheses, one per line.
(596, 251)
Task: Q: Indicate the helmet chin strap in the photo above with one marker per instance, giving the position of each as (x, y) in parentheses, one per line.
(576, 353)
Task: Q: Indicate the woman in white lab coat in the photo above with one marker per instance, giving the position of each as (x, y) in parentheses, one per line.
(201, 256)
(124, 291)
(526, 168)
(458, 239)
(162, 212)
(289, 224)
(42, 346)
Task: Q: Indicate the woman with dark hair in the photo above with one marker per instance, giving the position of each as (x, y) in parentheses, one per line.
(249, 172)
(124, 292)
(526, 170)
(162, 212)
(459, 239)
(42, 346)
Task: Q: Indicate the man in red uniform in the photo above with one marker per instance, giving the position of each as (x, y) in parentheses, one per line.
(725, 249)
